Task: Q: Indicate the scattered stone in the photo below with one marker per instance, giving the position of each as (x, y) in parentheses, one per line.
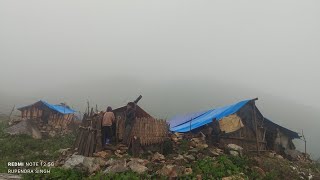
(102, 154)
(234, 147)
(189, 157)
(195, 150)
(52, 133)
(203, 146)
(117, 153)
(91, 164)
(157, 157)
(63, 151)
(279, 156)
(196, 140)
(187, 171)
(234, 153)
(137, 167)
(116, 166)
(271, 154)
(199, 177)
(171, 171)
(74, 160)
(216, 151)
(140, 161)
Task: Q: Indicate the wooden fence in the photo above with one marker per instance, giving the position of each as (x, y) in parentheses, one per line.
(150, 130)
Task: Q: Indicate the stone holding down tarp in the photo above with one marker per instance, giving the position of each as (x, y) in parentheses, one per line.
(240, 123)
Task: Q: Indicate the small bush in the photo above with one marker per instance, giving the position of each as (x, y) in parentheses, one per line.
(167, 147)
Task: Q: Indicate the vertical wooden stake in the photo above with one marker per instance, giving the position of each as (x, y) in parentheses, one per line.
(12, 112)
(305, 144)
(255, 124)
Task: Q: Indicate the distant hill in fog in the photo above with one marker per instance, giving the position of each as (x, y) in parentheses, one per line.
(165, 99)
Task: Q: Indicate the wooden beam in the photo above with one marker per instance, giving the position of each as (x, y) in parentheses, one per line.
(255, 124)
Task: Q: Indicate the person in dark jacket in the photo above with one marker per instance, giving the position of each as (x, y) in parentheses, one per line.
(130, 117)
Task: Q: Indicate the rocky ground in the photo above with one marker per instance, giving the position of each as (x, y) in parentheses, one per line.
(187, 159)
(182, 158)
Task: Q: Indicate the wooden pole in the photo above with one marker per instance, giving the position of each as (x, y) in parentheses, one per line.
(305, 144)
(88, 108)
(12, 112)
(255, 123)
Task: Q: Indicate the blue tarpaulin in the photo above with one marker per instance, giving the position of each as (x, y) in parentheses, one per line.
(60, 108)
(188, 122)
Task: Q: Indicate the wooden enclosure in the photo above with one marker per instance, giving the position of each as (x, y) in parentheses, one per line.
(89, 138)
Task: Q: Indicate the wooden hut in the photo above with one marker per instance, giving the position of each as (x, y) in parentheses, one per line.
(57, 116)
(120, 119)
(146, 129)
(241, 123)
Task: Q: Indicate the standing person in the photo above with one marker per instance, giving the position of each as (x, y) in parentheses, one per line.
(216, 131)
(130, 117)
(107, 121)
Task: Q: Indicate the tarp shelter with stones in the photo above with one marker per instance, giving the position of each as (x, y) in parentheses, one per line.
(49, 116)
(241, 123)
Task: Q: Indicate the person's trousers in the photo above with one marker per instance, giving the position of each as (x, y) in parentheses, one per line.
(106, 134)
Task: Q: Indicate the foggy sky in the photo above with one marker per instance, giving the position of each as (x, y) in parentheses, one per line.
(58, 50)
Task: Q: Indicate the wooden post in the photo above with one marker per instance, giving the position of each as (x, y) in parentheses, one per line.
(117, 130)
(88, 107)
(12, 112)
(254, 114)
(305, 144)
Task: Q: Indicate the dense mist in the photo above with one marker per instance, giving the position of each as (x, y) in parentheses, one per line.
(181, 56)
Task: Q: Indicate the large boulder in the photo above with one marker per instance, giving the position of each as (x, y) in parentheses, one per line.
(157, 157)
(137, 167)
(233, 148)
(88, 164)
(25, 127)
(116, 166)
(93, 164)
(171, 171)
(73, 161)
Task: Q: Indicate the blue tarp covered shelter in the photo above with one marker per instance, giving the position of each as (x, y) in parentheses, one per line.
(58, 108)
(188, 122)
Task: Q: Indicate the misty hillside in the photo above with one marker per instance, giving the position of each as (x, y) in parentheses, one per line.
(165, 99)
